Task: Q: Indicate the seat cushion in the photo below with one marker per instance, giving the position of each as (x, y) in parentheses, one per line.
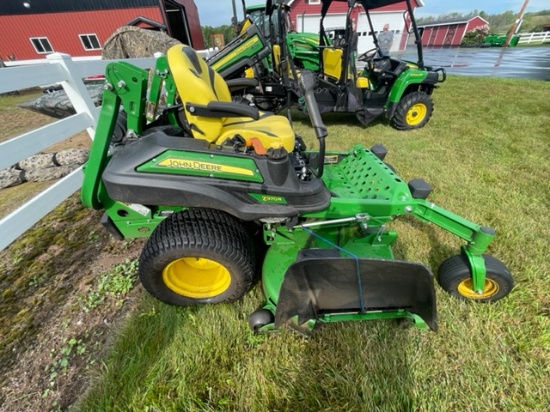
(272, 130)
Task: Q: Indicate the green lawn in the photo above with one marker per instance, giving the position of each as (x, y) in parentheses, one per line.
(485, 152)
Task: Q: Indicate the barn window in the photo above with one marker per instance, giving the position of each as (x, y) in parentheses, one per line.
(41, 44)
(90, 41)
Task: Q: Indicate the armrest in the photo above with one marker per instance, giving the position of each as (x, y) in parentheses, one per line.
(241, 83)
(223, 109)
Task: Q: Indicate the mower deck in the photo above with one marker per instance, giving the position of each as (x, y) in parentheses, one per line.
(343, 267)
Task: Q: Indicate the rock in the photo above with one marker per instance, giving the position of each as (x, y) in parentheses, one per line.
(43, 166)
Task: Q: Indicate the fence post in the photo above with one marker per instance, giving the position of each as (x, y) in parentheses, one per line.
(76, 89)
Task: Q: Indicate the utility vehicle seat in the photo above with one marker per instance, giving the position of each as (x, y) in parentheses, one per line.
(212, 115)
(332, 62)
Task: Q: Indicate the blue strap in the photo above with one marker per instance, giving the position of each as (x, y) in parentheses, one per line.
(355, 257)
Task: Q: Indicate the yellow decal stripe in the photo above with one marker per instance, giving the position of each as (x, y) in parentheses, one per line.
(237, 52)
(204, 166)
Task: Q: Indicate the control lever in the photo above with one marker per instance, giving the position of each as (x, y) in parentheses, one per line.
(307, 83)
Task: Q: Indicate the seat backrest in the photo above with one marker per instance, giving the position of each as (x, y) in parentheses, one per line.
(199, 84)
(332, 62)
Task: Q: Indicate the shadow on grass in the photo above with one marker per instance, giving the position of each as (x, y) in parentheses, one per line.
(439, 250)
(334, 119)
(361, 366)
(205, 358)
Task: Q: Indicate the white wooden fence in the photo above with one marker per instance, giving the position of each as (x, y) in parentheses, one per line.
(534, 38)
(57, 68)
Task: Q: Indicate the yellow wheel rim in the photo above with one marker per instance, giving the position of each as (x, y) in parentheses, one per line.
(416, 114)
(196, 277)
(466, 289)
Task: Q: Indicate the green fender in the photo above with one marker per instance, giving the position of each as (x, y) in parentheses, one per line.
(408, 77)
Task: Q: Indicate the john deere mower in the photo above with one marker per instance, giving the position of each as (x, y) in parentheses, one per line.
(209, 180)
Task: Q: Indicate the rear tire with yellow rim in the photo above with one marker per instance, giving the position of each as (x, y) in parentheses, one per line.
(198, 256)
(454, 276)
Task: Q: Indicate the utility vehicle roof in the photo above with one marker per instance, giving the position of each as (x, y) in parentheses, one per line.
(367, 4)
(269, 4)
(255, 7)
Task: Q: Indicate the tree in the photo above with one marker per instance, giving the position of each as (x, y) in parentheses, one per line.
(501, 23)
(227, 31)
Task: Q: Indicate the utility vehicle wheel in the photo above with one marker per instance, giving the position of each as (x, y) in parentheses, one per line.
(260, 318)
(454, 277)
(413, 111)
(198, 256)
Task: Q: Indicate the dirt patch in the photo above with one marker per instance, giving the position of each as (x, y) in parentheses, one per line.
(16, 120)
(53, 323)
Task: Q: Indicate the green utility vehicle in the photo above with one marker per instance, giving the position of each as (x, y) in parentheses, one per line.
(399, 90)
(209, 181)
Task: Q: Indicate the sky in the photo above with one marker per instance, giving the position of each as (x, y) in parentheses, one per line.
(218, 12)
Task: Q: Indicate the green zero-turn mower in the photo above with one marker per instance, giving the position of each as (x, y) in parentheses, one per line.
(209, 180)
(303, 48)
(254, 56)
(250, 54)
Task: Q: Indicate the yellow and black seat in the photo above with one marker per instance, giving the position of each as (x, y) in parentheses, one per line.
(209, 111)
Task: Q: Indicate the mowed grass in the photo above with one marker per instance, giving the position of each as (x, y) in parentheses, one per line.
(485, 152)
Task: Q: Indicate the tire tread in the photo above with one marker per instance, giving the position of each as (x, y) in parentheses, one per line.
(197, 230)
(458, 267)
(399, 118)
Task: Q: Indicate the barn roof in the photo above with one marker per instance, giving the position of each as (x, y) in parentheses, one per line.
(445, 22)
(13, 7)
(419, 3)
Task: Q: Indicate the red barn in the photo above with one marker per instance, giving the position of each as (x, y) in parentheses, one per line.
(305, 15)
(448, 32)
(30, 29)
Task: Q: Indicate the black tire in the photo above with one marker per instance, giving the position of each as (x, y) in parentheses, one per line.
(413, 111)
(455, 278)
(198, 256)
(260, 318)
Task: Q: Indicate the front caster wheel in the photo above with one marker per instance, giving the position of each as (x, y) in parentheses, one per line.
(455, 278)
(259, 319)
